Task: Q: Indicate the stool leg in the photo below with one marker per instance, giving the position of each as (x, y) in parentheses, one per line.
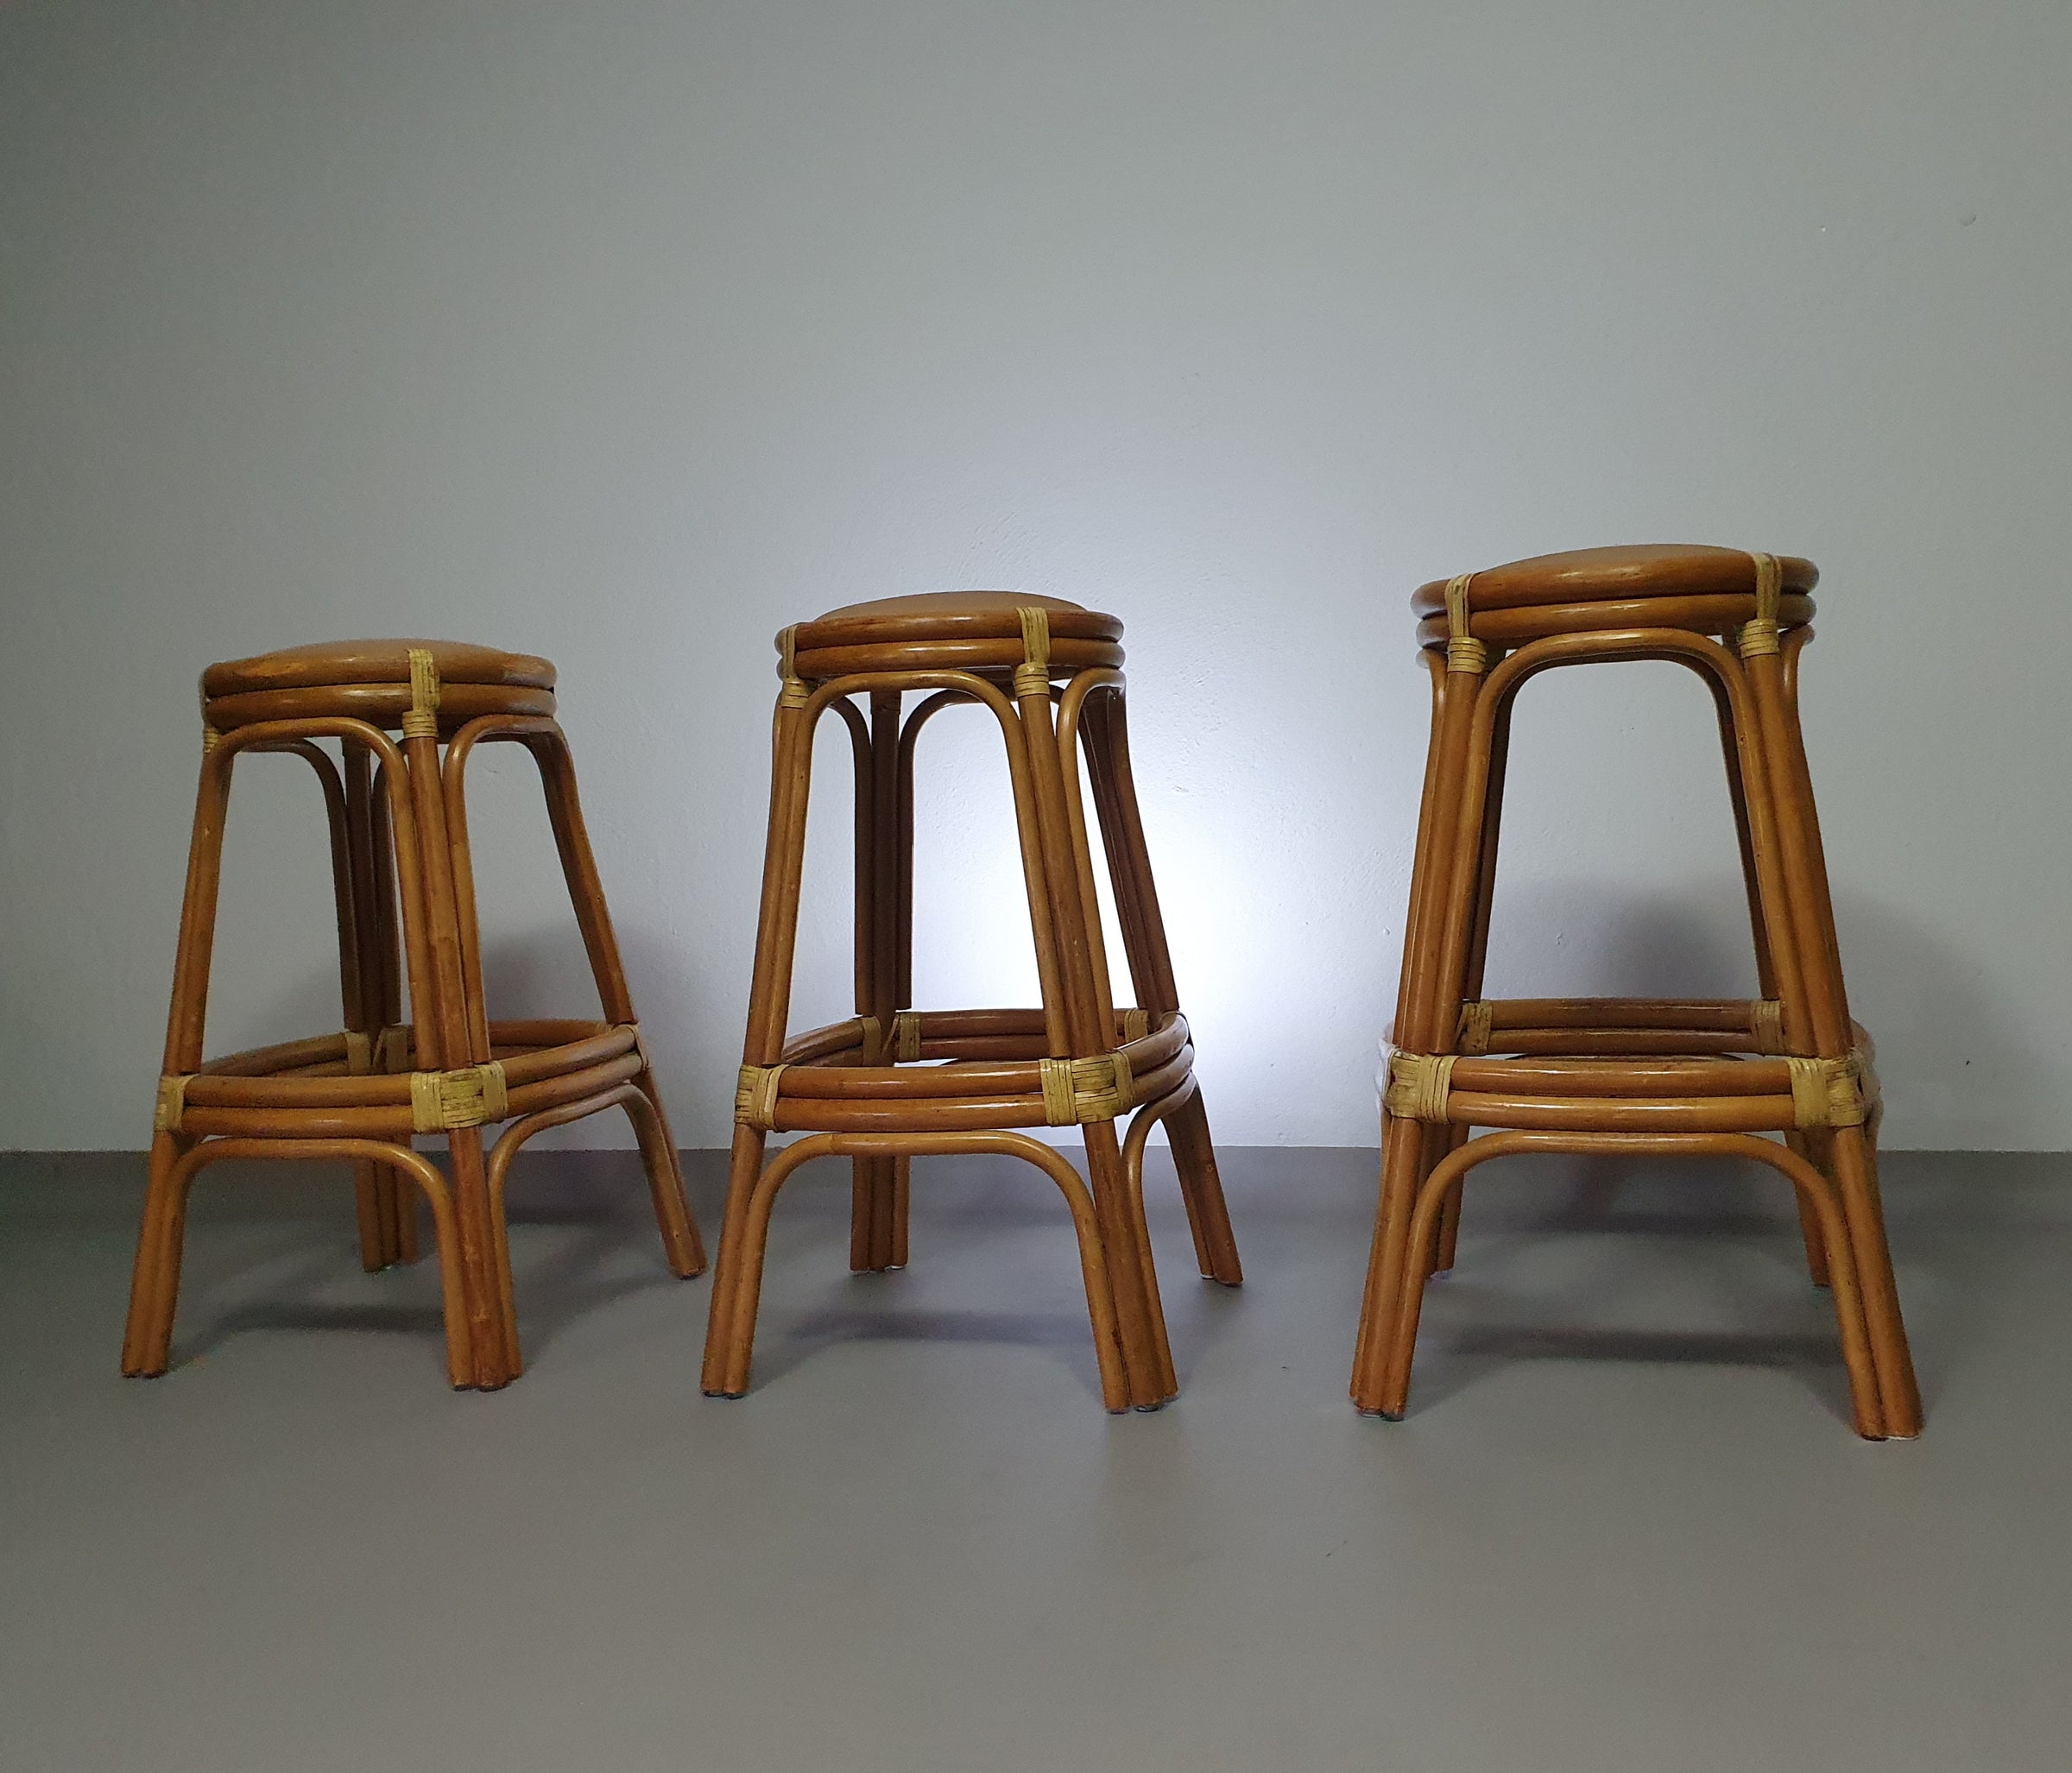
(1088, 1033)
(439, 1005)
(155, 1281)
(1450, 1139)
(1809, 1234)
(1202, 1193)
(352, 867)
(464, 1026)
(736, 1275)
(730, 1329)
(172, 1172)
(1446, 1243)
(1375, 1314)
(1445, 883)
(681, 1246)
(1406, 1153)
(377, 1240)
(155, 1278)
(397, 1190)
(1148, 1353)
(1809, 909)
(1106, 728)
(658, 1159)
(1745, 812)
(877, 1236)
(1855, 1159)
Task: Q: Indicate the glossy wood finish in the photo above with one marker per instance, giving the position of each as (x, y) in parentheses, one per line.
(1626, 1076)
(404, 886)
(892, 1083)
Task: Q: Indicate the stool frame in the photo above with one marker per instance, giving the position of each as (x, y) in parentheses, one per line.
(1076, 1059)
(1630, 1077)
(398, 826)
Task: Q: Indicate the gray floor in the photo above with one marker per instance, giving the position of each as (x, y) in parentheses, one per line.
(1625, 1525)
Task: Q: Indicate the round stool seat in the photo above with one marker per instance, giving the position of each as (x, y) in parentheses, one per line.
(974, 631)
(369, 680)
(1666, 585)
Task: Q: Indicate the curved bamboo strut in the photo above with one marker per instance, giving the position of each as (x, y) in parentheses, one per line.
(198, 917)
(1021, 780)
(332, 788)
(1070, 706)
(1487, 697)
(1132, 1167)
(1807, 1180)
(685, 1261)
(685, 1254)
(865, 843)
(388, 1215)
(147, 1350)
(727, 1363)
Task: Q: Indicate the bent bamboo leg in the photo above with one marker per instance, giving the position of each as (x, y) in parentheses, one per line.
(1202, 1193)
(1864, 1388)
(682, 1248)
(1125, 1238)
(648, 1127)
(397, 1190)
(1445, 877)
(737, 1284)
(1089, 1033)
(1406, 1161)
(155, 1281)
(174, 1182)
(440, 1006)
(1447, 1241)
(1814, 1149)
(1747, 809)
(729, 1378)
(877, 1217)
(374, 1185)
(1826, 1009)
(659, 1161)
(157, 1274)
(730, 1330)
(1106, 727)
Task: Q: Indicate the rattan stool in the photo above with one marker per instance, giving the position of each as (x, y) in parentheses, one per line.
(397, 817)
(1618, 1075)
(893, 1083)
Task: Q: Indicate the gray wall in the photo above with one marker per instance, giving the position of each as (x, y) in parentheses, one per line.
(628, 332)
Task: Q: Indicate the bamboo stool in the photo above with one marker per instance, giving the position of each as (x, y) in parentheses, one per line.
(892, 1083)
(1620, 1075)
(398, 816)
